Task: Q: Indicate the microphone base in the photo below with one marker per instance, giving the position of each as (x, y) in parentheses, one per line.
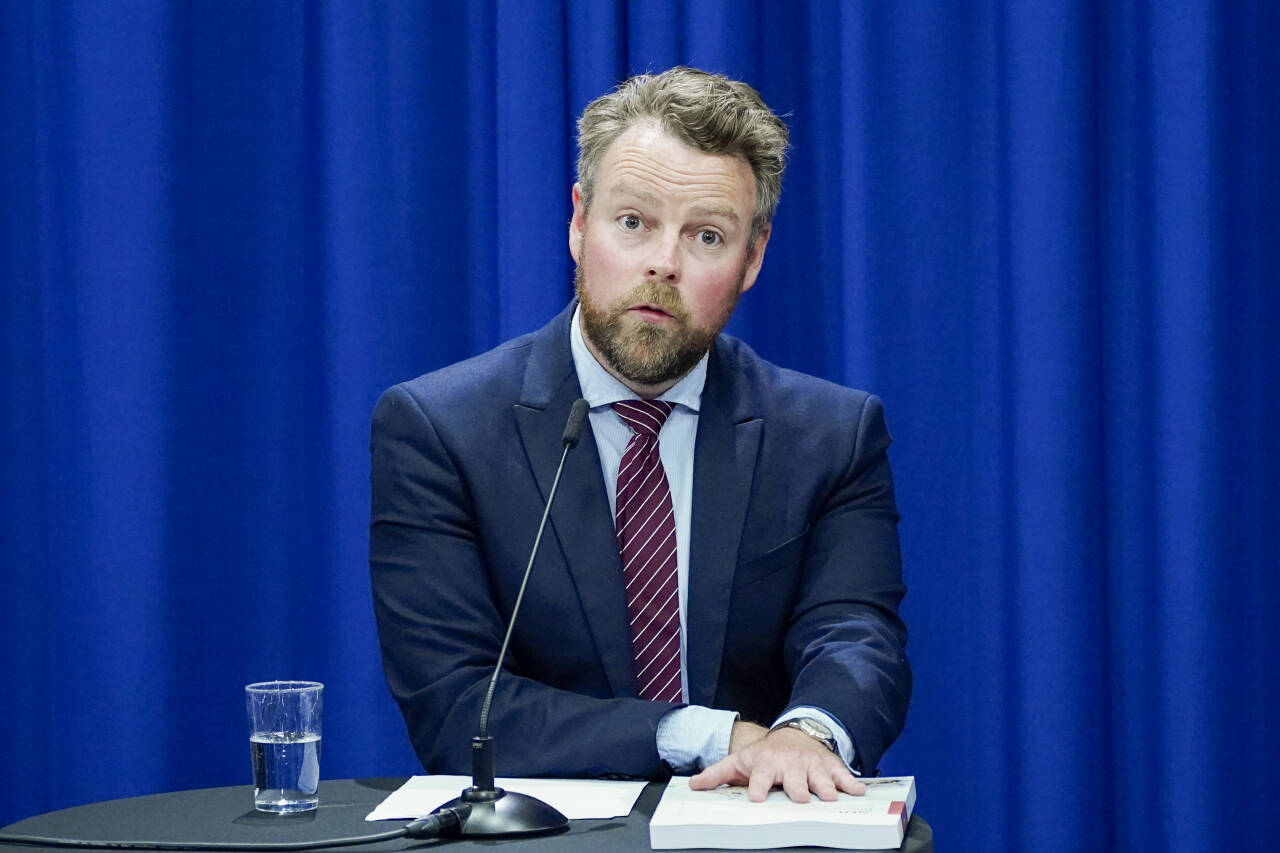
(496, 813)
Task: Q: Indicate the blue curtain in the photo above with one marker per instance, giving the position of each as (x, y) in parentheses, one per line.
(1044, 232)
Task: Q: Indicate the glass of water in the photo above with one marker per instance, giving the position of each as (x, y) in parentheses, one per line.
(284, 740)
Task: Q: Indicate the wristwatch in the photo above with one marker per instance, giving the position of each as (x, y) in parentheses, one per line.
(814, 729)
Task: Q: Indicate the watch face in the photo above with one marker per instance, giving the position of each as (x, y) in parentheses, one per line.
(813, 728)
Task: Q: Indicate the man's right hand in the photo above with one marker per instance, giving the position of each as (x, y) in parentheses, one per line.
(786, 758)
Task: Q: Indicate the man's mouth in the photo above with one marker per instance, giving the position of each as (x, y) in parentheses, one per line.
(651, 312)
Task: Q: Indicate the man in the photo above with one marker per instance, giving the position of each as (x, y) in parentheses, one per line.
(719, 584)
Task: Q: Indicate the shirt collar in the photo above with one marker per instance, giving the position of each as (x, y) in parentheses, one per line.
(601, 388)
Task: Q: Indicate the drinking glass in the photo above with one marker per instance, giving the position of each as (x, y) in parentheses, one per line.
(284, 741)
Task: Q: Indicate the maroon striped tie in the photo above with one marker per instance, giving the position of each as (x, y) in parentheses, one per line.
(647, 539)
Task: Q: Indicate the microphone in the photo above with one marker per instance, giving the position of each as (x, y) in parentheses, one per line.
(491, 811)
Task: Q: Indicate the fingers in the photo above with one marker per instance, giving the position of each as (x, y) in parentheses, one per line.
(795, 781)
(800, 767)
(762, 781)
(849, 783)
(823, 784)
(801, 781)
(723, 772)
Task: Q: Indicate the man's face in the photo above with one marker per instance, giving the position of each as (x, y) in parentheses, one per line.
(662, 255)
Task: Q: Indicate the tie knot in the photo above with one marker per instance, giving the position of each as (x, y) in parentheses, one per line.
(645, 417)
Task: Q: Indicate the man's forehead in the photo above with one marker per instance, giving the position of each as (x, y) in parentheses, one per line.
(649, 165)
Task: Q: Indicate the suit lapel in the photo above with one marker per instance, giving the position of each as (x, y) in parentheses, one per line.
(724, 467)
(580, 522)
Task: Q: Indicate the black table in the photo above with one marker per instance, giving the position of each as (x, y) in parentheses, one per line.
(227, 815)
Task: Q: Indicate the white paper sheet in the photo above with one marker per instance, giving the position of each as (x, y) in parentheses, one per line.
(577, 799)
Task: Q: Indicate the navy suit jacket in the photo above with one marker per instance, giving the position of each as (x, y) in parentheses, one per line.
(794, 578)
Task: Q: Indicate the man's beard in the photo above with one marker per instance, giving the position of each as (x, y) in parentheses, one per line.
(649, 353)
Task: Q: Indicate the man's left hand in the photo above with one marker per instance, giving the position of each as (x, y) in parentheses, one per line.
(785, 757)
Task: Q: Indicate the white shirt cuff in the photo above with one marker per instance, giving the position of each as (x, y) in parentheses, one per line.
(694, 737)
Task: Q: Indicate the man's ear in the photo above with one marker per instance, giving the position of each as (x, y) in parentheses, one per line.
(755, 258)
(577, 224)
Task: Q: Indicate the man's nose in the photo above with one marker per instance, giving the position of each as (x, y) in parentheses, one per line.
(664, 263)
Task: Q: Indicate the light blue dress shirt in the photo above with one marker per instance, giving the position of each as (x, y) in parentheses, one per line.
(692, 737)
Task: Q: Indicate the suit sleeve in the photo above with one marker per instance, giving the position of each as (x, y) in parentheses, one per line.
(441, 632)
(846, 648)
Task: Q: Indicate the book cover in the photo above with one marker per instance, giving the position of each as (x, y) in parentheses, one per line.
(725, 818)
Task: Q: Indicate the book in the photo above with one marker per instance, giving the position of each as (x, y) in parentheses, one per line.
(725, 818)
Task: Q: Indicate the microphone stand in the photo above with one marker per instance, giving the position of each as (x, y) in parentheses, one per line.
(493, 811)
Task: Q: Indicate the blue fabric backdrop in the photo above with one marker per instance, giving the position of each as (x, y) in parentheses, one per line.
(1044, 232)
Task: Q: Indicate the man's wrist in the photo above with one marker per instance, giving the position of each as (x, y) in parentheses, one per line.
(814, 728)
(744, 734)
(845, 748)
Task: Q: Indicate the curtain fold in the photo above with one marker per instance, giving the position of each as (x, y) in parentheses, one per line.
(1044, 233)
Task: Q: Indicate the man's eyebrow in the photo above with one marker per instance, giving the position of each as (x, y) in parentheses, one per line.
(634, 191)
(712, 209)
(627, 188)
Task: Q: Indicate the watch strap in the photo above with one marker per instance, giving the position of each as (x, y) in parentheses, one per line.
(813, 729)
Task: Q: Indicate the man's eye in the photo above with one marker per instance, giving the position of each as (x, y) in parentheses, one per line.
(630, 222)
(710, 238)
